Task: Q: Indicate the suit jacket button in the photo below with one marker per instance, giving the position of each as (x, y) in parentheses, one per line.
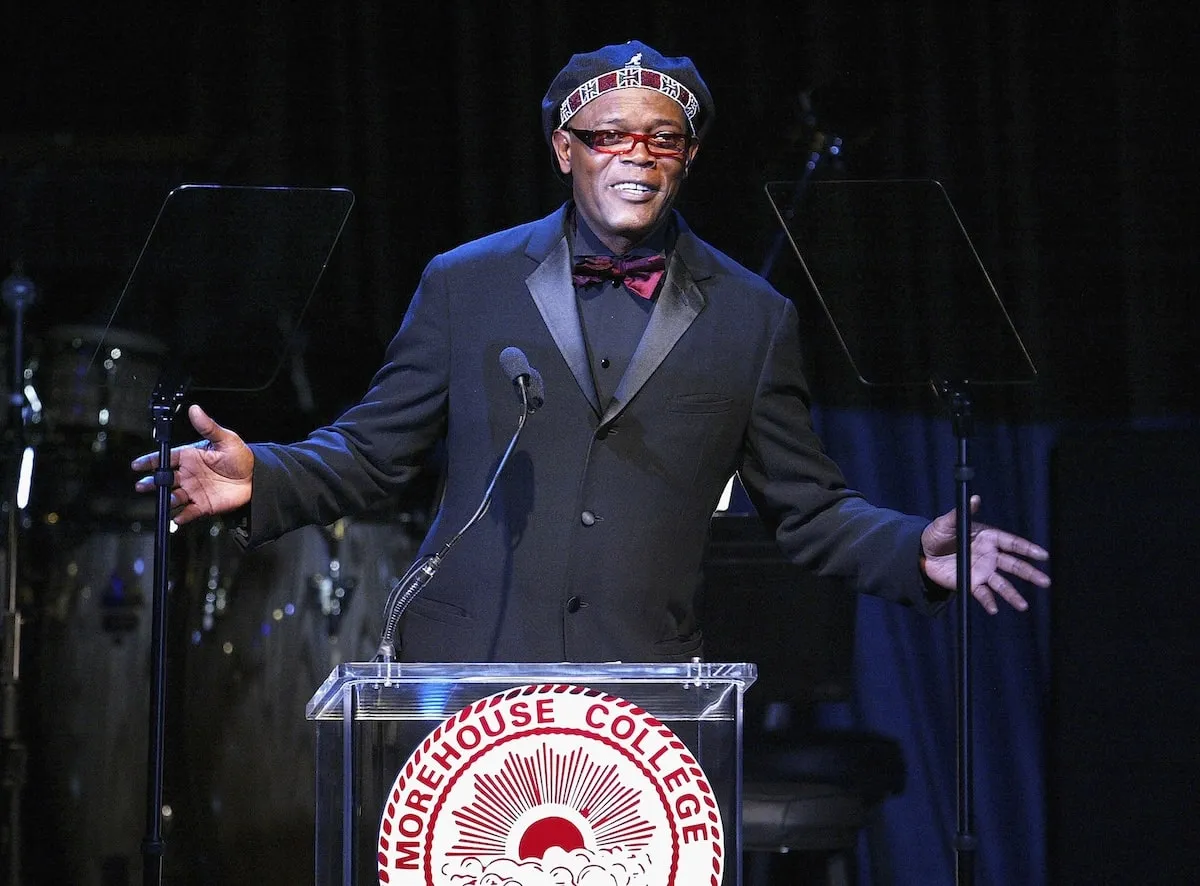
(574, 604)
(587, 518)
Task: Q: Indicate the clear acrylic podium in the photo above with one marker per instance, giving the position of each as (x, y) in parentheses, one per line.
(472, 773)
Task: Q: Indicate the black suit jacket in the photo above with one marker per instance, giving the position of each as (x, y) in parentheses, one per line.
(592, 547)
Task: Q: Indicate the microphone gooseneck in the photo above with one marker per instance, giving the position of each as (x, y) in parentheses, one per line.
(531, 390)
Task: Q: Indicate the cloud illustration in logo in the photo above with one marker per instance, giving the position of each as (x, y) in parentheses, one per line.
(582, 867)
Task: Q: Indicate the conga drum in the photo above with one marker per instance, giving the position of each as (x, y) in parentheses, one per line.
(90, 414)
(263, 630)
(90, 677)
(95, 383)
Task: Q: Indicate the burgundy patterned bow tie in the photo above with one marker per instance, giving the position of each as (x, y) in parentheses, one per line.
(640, 274)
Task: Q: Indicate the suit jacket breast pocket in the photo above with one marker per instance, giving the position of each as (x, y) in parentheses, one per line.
(433, 609)
(680, 649)
(700, 404)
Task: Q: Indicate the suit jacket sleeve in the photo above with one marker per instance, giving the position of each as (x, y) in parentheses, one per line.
(376, 446)
(800, 492)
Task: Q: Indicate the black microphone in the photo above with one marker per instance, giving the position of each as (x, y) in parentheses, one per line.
(527, 379)
(533, 394)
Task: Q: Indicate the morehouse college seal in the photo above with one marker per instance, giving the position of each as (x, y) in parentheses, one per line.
(551, 785)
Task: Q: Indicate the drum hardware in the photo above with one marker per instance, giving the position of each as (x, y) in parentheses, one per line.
(19, 294)
(281, 616)
(86, 391)
(216, 587)
(240, 801)
(97, 384)
(120, 608)
(331, 589)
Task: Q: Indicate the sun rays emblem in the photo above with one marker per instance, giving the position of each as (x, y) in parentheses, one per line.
(551, 785)
(547, 799)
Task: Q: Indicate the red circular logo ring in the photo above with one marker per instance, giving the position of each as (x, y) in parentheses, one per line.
(551, 785)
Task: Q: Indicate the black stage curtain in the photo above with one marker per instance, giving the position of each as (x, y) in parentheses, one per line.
(1059, 130)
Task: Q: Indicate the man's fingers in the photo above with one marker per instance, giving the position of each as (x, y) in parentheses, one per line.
(186, 513)
(1007, 592)
(1014, 544)
(983, 594)
(200, 419)
(1022, 569)
(947, 524)
(998, 586)
(147, 462)
(205, 426)
(179, 495)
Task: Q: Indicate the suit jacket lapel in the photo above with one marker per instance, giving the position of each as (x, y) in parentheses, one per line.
(679, 303)
(552, 291)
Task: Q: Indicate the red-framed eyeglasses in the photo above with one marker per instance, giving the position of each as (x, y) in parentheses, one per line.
(617, 141)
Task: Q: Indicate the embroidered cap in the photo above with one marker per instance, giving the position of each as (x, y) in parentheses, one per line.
(590, 75)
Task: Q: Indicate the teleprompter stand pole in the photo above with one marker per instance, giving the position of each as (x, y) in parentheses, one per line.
(958, 399)
(165, 403)
(844, 220)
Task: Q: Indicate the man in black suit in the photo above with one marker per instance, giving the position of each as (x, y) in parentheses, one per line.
(667, 367)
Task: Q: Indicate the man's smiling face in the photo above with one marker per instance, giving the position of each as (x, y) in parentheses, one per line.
(624, 197)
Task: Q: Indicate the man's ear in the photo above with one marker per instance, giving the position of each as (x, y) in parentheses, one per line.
(560, 142)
